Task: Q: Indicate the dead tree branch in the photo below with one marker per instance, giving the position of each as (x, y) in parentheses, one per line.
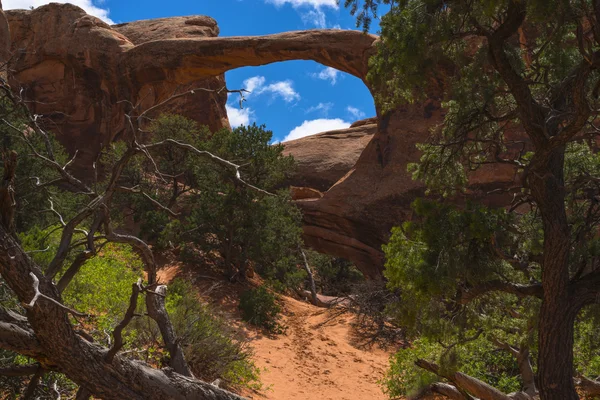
(155, 303)
(38, 294)
(313, 287)
(136, 288)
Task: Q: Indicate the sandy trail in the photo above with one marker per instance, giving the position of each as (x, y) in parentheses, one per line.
(315, 359)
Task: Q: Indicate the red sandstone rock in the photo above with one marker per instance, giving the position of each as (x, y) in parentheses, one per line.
(68, 64)
(206, 108)
(304, 193)
(4, 38)
(323, 159)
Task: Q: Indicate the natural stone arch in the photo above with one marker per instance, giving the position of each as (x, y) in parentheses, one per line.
(184, 60)
(332, 224)
(81, 68)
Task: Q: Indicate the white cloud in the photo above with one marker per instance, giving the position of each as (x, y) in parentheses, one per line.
(356, 113)
(315, 16)
(239, 116)
(328, 74)
(316, 126)
(87, 5)
(284, 89)
(300, 3)
(321, 107)
(254, 83)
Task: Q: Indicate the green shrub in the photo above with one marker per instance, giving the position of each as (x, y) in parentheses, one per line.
(211, 347)
(245, 227)
(478, 358)
(334, 276)
(259, 307)
(103, 285)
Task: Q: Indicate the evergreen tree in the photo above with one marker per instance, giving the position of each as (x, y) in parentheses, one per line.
(519, 83)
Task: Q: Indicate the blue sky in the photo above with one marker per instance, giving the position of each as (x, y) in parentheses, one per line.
(293, 98)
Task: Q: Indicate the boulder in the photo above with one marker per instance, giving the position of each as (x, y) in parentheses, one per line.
(325, 158)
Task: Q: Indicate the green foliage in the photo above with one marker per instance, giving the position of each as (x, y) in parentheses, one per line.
(449, 52)
(446, 252)
(247, 227)
(587, 342)
(424, 38)
(477, 358)
(403, 378)
(451, 244)
(103, 285)
(259, 307)
(333, 276)
(211, 347)
(33, 194)
(435, 260)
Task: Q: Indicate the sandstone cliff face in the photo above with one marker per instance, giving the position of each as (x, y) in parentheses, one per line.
(68, 65)
(4, 39)
(206, 108)
(325, 158)
(62, 63)
(354, 217)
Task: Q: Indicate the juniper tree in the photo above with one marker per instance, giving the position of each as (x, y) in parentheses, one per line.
(43, 330)
(519, 83)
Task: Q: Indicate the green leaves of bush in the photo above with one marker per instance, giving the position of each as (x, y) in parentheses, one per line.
(211, 347)
(259, 307)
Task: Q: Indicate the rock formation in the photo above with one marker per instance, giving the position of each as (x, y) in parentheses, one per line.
(79, 70)
(323, 159)
(68, 64)
(4, 39)
(206, 108)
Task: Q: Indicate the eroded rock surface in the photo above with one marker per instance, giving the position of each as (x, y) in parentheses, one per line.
(325, 158)
(68, 65)
(205, 107)
(4, 39)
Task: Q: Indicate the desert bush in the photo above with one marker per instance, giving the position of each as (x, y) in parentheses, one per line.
(477, 357)
(334, 276)
(247, 228)
(103, 286)
(259, 307)
(212, 348)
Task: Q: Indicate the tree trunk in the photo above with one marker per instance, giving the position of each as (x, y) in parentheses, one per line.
(313, 288)
(555, 359)
(557, 315)
(48, 336)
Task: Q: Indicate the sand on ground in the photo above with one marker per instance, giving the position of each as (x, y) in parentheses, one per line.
(315, 358)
